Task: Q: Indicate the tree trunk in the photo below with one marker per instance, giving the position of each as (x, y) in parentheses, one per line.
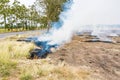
(48, 25)
(5, 21)
(26, 25)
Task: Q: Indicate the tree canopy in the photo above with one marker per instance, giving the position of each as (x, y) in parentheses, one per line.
(17, 15)
(51, 9)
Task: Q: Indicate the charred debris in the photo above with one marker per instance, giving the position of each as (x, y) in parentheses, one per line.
(42, 49)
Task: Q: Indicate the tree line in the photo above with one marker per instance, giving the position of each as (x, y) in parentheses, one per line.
(39, 15)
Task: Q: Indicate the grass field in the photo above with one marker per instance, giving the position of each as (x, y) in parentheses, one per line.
(14, 64)
(3, 31)
(14, 30)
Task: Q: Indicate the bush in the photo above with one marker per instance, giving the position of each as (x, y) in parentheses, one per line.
(6, 68)
(26, 77)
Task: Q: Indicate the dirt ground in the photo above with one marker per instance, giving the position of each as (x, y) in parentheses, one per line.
(101, 57)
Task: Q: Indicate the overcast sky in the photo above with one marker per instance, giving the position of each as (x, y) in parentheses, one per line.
(100, 11)
(95, 11)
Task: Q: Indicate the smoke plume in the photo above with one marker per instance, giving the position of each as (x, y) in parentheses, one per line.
(69, 24)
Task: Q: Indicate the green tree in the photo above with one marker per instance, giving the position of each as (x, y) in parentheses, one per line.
(20, 12)
(51, 9)
(34, 17)
(18, 15)
(16, 12)
(4, 10)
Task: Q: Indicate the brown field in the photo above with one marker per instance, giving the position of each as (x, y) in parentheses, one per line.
(102, 58)
(77, 60)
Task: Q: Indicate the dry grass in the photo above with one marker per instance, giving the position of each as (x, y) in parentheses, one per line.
(13, 49)
(15, 65)
(43, 70)
(10, 52)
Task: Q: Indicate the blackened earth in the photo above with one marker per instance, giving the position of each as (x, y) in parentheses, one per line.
(102, 57)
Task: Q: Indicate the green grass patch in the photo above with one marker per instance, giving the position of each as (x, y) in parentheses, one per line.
(26, 76)
(6, 67)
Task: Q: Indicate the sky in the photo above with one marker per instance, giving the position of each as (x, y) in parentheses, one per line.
(99, 11)
(95, 11)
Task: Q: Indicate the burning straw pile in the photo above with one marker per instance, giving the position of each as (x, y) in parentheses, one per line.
(42, 48)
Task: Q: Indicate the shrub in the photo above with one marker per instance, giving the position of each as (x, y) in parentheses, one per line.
(6, 67)
(26, 76)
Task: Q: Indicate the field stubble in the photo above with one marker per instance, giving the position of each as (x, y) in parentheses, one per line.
(14, 64)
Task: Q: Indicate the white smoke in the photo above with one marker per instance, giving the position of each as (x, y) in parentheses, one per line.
(71, 26)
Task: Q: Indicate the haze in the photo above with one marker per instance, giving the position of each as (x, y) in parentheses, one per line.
(99, 11)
